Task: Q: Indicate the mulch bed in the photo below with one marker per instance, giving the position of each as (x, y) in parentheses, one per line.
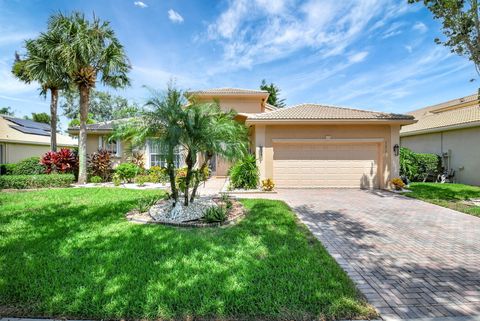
(236, 212)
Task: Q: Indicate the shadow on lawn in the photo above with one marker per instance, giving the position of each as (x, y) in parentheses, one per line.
(81, 261)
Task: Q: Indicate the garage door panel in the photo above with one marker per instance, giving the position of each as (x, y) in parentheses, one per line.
(326, 165)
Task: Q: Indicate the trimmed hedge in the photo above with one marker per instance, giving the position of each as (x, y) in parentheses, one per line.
(7, 169)
(35, 181)
(29, 166)
(418, 166)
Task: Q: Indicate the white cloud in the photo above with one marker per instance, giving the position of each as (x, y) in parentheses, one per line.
(252, 32)
(140, 4)
(358, 57)
(420, 26)
(409, 48)
(174, 16)
(393, 30)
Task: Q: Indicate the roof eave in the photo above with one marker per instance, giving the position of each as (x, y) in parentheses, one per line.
(329, 121)
(74, 131)
(440, 129)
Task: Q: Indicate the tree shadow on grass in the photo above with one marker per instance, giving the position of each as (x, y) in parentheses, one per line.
(87, 261)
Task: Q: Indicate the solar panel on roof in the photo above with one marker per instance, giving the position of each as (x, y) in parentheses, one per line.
(28, 123)
(33, 131)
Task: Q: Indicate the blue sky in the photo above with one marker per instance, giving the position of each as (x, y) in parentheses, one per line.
(371, 54)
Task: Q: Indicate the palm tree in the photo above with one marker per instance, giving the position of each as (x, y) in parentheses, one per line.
(162, 120)
(210, 131)
(89, 52)
(39, 65)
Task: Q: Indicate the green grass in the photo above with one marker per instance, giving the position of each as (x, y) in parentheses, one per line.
(70, 253)
(447, 195)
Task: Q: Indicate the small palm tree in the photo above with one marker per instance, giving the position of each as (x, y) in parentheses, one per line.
(162, 120)
(89, 52)
(39, 65)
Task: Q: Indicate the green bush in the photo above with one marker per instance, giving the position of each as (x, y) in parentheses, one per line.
(140, 180)
(96, 179)
(244, 174)
(127, 171)
(7, 169)
(36, 181)
(158, 174)
(215, 214)
(29, 166)
(418, 166)
(116, 180)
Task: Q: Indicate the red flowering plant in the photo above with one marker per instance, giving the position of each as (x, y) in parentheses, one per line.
(63, 161)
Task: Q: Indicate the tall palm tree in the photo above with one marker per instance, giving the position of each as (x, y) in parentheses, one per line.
(39, 65)
(89, 52)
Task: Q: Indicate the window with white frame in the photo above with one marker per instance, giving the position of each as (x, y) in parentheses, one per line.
(158, 154)
(109, 145)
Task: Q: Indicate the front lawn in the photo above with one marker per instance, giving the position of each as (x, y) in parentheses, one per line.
(447, 195)
(70, 253)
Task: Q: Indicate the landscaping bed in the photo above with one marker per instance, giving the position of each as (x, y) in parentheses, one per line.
(71, 253)
(458, 197)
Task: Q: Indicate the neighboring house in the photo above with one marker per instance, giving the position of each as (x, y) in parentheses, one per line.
(21, 138)
(452, 131)
(307, 145)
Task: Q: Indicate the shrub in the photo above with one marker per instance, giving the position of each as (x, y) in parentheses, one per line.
(36, 181)
(244, 174)
(116, 180)
(268, 185)
(100, 164)
(180, 175)
(63, 161)
(127, 171)
(158, 174)
(96, 179)
(140, 180)
(29, 166)
(7, 169)
(137, 159)
(417, 166)
(144, 204)
(215, 214)
(397, 183)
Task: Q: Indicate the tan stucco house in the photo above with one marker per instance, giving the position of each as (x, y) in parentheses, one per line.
(21, 138)
(307, 145)
(452, 131)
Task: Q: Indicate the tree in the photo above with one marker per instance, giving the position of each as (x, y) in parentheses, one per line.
(40, 118)
(75, 122)
(90, 52)
(274, 97)
(102, 105)
(7, 111)
(460, 24)
(162, 120)
(40, 65)
(200, 128)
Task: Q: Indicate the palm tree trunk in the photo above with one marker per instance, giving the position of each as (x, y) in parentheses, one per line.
(53, 116)
(201, 170)
(171, 175)
(82, 141)
(188, 178)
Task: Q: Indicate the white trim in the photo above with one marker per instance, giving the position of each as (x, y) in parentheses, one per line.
(147, 153)
(100, 142)
(119, 148)
(327, 140)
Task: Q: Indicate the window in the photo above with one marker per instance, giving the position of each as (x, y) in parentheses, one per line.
(110, 145)
(158, 155)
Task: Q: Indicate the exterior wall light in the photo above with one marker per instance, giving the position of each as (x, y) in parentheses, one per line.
(396, 150)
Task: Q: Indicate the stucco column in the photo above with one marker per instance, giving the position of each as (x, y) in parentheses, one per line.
(260, 150)
(395, 160)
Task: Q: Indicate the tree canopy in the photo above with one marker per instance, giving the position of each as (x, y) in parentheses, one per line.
(460, 25)
(40, 118)
(274, 91)
(103, 106)
(8, 111)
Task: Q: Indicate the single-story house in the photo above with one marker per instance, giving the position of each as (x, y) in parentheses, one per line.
(307, 145)
(452, 131)
(21, 138)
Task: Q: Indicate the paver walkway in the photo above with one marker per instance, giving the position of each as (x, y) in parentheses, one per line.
(410, 259)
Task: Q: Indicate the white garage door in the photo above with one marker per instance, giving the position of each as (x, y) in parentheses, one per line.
(325, 165)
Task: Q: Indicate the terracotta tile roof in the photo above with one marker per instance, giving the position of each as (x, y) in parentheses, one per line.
(229, 91)
(458, 112)
(316, 111)
(270, 107)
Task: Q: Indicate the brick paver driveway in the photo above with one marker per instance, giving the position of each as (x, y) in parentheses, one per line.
(411, 259)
